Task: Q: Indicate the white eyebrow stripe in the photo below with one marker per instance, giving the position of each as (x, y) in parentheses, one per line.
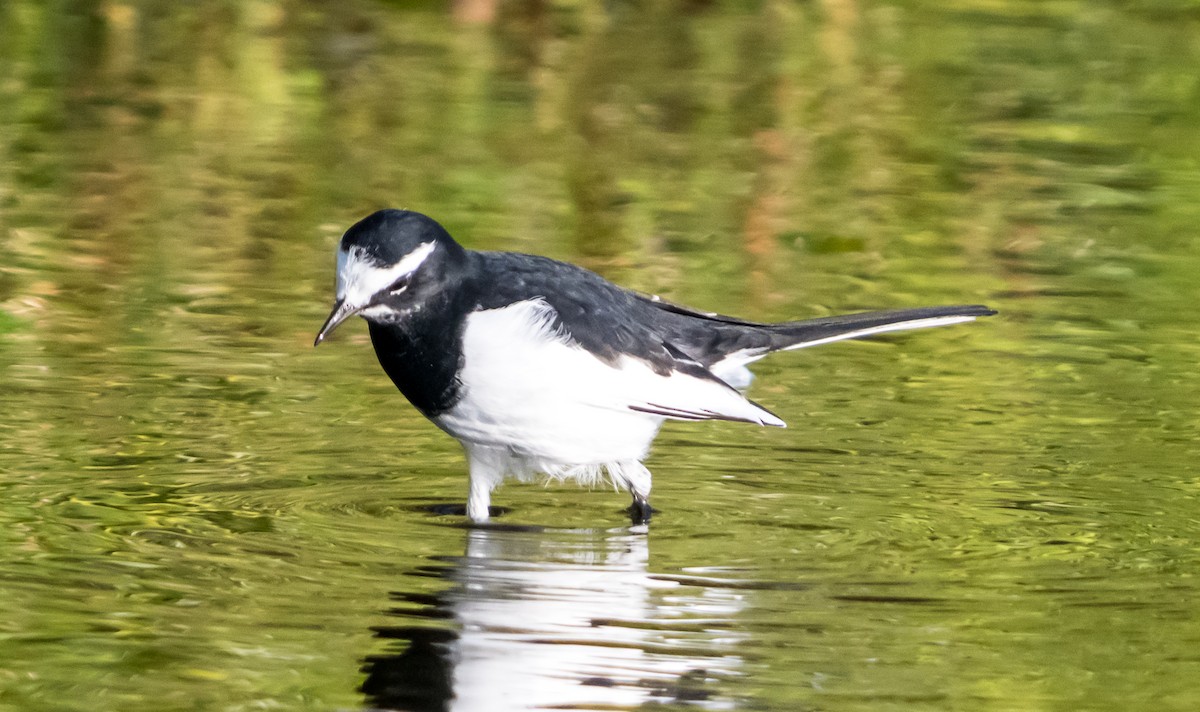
(359, 280)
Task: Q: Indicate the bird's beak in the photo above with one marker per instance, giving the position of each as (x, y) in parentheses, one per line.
(341, 312)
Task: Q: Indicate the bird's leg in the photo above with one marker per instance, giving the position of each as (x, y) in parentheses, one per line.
(640, 511)
(637, 478)
(478, 500)
(486, 473)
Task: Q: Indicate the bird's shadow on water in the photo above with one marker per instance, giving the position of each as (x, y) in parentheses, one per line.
(639, 514)
(543, 618)
(457, 510)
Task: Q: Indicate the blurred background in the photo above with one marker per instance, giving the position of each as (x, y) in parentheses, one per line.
(199, 511)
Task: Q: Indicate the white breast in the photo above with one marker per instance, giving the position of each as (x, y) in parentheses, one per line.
(530, 391)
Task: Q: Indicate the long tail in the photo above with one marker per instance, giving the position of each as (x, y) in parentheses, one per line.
(725, 344)
(814, 332)
(745, 343)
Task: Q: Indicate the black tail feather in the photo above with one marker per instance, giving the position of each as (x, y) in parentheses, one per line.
(709, 338)
(797, 333)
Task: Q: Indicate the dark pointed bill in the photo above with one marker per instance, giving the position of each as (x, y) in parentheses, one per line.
(341, 312)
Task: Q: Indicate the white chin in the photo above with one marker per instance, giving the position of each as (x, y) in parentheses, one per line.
(382, 312)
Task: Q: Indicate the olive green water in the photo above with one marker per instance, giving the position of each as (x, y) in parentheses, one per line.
(200, 511)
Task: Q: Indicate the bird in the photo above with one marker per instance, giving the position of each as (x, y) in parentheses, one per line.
(541, 368)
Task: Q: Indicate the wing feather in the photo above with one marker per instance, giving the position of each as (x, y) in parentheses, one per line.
(535, 358)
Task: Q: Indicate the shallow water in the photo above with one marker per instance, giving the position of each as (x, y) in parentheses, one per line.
(200, 511)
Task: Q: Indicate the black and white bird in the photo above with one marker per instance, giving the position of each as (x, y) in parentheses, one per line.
(540, 367)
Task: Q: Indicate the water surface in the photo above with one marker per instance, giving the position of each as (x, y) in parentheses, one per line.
(199, 511)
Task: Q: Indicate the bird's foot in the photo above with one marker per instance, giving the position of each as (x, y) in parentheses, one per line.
(640, 511)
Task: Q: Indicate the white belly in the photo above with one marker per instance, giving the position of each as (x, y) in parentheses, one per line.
(547, 401)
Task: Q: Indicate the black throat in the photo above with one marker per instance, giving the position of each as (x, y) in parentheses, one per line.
(422, 356)
(422, 350)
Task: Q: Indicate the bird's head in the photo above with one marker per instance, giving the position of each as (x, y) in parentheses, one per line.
(389, 264)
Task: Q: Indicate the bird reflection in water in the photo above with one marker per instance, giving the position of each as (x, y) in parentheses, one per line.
(554, 619)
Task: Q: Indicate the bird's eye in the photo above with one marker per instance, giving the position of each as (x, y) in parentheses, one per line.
(398, 286)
